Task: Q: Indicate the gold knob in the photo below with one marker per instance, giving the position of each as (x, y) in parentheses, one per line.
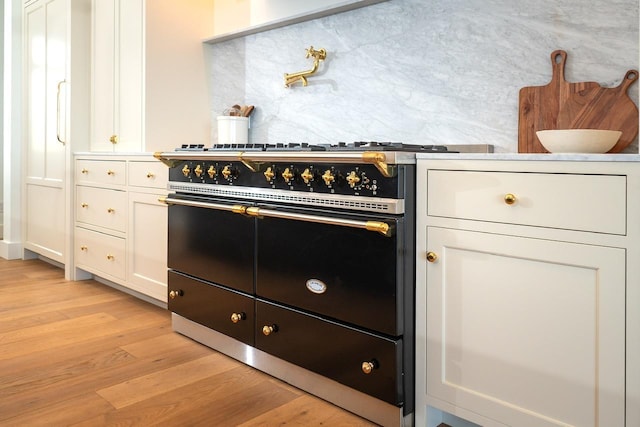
(236, 317)
(186, 170)
(198, 171)
(226, 171)
(269, 174)
(174, 294)
(353, 179)
(307, 176)
(110, 257)
(368, 367)
(110, 172)
(111, 210)
(84, 205)
(150, 175)
(509, 198)
(113, 139)
(84, 248)
(211, 172)
(432, 256)
(269, 329)
(84, 171)
(328, 177)
(287, 175)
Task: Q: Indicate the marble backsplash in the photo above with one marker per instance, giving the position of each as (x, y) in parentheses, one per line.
(421, 72)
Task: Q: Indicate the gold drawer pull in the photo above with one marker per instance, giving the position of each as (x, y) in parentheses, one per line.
(110, 257)
(84, 205)
(150, 175)
(178, 293)
(111, 210)
(510, 199)
(269, 329)
(110, 172)
(368, 366)
(432, 256)
(84, 171)
(84, 248)
(113, 139)
(236, 317)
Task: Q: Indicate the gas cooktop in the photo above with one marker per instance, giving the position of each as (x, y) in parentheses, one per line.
(340, 146)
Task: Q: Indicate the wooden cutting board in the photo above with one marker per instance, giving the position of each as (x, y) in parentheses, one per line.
(584, 105)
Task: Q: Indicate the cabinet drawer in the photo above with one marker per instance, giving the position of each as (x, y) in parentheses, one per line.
(213, 306)
(102, 207)
(333, 350)
(594, 203)
(100, 253)
(101, 172)
(148, 174)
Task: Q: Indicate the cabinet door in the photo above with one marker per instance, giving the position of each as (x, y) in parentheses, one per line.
(526, 332)
(147, 245)
(46, 52)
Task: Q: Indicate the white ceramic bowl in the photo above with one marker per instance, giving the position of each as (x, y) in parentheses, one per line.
(578, 140)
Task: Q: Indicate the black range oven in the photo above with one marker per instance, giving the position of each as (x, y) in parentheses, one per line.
(299, 260)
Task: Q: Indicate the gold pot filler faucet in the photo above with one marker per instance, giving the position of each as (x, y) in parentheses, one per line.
(318, 55)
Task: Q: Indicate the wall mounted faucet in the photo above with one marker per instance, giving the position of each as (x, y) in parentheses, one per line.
(318, 55)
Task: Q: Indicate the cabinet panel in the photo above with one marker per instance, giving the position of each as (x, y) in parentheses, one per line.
(100, 253)
(102, 207)
(100, 172)
(45, 216)
(526, 331)
(148, 174)
(567, 201)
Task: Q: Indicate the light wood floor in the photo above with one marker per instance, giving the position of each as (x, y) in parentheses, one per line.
(84, 354)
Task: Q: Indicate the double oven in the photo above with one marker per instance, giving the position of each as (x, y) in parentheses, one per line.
(299, 260)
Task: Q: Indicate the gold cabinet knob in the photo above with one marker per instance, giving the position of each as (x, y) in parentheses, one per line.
(150, 175)
(113, 139)
(287, 175)
(353, 179)
(269, 174)
(307, 176)
(198, 171)
(211, 172)
(226, 172)
(328, 177)
(111, 210)
(84, 248)
(269, 329)
(432, 256)
(110, 172)
(236, 317)
(110, 257)
(85, 205)
(510, 199)
(84, 171)
(175, 294)
(186, 171)
(368, 366)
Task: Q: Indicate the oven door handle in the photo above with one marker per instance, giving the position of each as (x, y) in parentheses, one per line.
(378, 226)
(207, 205)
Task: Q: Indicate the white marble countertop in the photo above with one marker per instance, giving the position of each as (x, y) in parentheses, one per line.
(565, 157)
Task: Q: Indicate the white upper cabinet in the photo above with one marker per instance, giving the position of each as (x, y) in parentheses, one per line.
(149, 90)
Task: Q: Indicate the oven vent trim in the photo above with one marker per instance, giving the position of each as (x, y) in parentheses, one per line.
(390, 206)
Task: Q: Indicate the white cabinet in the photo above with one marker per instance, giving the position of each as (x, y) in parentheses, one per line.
(55, 118)
(121, 226)
(523, 285)
(149, 88)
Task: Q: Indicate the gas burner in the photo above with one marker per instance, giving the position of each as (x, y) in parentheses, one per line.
(304, 146)
(387, 146)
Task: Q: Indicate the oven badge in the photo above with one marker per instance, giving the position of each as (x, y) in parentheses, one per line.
(316, 286)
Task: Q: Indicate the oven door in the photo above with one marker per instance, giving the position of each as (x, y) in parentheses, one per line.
(209, 241)
(348, 267)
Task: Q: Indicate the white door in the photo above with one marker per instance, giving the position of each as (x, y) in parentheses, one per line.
(524, 331)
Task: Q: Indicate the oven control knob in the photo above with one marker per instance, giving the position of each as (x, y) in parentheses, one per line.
(174, 294)
(211, 172)
(353, 179)
(236, 317)
(287, 175)
(198, 171)
(186, 170)
(269, 329)
(229, 172)
(307, 176)
(269, 174)
(369, 366)
(328, 177)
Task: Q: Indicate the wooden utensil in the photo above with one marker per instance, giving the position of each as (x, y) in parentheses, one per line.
(611, 109)
(540, 107)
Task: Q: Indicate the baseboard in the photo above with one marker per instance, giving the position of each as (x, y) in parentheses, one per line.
(9, 250)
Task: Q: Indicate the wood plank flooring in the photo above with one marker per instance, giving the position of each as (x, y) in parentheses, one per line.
(84, 354)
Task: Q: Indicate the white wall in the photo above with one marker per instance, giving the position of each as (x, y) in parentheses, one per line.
(421, 72)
